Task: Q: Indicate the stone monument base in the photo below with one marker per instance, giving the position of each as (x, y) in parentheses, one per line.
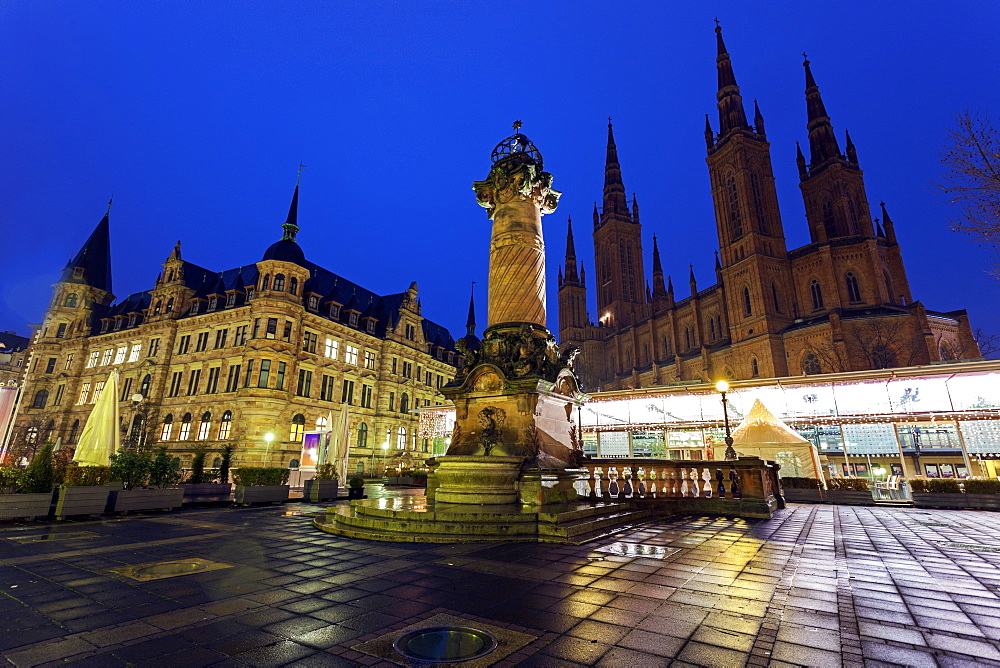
(541, 488)
(477, 480)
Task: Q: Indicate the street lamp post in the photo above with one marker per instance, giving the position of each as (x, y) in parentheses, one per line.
(722, 387)
(385, 453)
(268, 437)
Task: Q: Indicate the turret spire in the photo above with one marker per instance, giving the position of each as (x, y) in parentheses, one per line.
(887, 224)
(659, 290)
(800, 161)
(571, 274)
(822, 141)
(758, 120)
(732, 115)
(852, 152)
(615, 202)
(291, 224)
(692, 281)
(92, 263)
(470, 323)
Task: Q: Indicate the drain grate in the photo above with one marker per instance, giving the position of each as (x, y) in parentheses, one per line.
(934, 524)
(445, 644)
(638, 550)
(159, 570)
(966, 546)
(46, 537)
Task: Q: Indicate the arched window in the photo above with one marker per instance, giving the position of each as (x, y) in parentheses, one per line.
(747, 306)
(362, 435)
(73, 431)
(226, 425)
(853, 290)
(206, 424)
(890, 290)
(816, 292)
(754, 368)
(404, 403)
(279, 281)
(265, 281)
(811, 365)
(321, 424)
(628, 358)
(41, 397)
(144, 386)
(728, 373)
(401, 438)
(774, 298)
(185, 431)
(298, 426)
(293, 285)
(687, 338)
(711, 327)
(852, 216)
(735, 217)
(170, 305)
(945, 350)
(71, 300)
(293, 464)
(829, 222)
(157, 307)
(168, 427)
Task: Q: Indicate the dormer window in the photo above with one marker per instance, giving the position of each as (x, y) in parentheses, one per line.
(230, 299)
(77, 272)
(371, 325)
(313, 302)
(104, 326)
(250, 294)
(411, 333)
(354, 318)
(131, 319)
(194, 306)
(334, 311)
(118, 323)
(212, 301)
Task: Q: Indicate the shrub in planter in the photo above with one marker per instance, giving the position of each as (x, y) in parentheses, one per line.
(355, 487)
(935, 486)
(326, 472)
(164, 470)
(850, 491)
(84, 491)
(847, 484)
(16, 499)
(800, 483)
(258, 484)
(324, 486)
(982, 486)
(198, 466)
(39, 477)
(132, 468)
(87, 476)
(227, 461)
(802, 490)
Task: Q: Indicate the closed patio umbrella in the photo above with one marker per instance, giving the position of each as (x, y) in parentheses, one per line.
(101, 435)
(341, 444)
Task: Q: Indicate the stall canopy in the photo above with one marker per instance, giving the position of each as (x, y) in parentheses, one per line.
(765, 436)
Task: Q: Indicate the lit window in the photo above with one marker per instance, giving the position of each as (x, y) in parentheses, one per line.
(226, 425)
(401, 438)
(332, 348)
(120, 354)
(168, 427)
(369, 359)
(133, 356)
(98, 388)
(351, 355)
(205, 426)
(298, 426)
(108, 355)
(185, 428)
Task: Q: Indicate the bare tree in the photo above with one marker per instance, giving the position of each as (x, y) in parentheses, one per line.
(989, 344)
(883, 343)
(971, 178)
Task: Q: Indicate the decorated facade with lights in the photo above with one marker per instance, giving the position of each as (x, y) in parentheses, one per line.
(257, 356)
(840, 303)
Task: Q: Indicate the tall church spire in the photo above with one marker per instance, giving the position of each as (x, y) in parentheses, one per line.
(470, 323)
(571, 273)
(888, 225)
(659, 289)
(822, 141)
(92, 263)
(732, 115)
(615, 202)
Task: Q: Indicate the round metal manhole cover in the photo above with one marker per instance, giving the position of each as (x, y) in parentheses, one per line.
(443, 644)
(171, 568)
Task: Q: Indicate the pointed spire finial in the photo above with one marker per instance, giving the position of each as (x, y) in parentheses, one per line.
(517, 126)
(110, 200)
(470, 323)
(298, 178)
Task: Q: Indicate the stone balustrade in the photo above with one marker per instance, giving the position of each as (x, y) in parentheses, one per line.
(747, 486)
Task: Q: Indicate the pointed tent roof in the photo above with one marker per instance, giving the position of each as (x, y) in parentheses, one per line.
(94, 258)
(760, 427)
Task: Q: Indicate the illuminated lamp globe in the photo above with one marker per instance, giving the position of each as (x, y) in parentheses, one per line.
(722, 386)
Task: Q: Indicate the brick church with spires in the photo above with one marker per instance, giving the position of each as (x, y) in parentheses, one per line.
(840, 303)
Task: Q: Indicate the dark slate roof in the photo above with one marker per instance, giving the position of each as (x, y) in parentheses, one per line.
(12, 343)
(94, 257)
(286, 250)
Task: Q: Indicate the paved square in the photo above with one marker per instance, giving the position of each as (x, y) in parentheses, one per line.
(816, 585)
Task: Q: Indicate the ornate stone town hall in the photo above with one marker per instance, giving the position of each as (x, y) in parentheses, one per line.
(840, 303)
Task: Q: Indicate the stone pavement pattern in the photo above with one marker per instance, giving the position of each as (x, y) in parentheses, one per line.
(816, 585)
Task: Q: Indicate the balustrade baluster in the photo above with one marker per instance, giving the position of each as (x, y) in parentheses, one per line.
(720, 485)
(614, 488)
(639, 482)
(734, 478)
(706, 477)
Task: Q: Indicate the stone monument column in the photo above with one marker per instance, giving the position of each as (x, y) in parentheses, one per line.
(516, 194)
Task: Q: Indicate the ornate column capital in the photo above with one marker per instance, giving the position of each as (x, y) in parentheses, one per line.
(522, 183)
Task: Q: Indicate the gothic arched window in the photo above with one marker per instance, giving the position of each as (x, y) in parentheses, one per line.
(946, 351)
(747, 306)
(774, 298)
(811, 365)
(816, 292)
(144, 386)
(226, 425)
(829, 221)
(157, 307)
(852, 216)
(73, 431)
(758, 203)
(754, 368)
(733, 204)
(170, 305)
(298, 426)
(853, 290)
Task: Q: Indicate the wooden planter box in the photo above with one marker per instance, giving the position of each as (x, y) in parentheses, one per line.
(207, 492)
(261, 494)
(127, 500)
(321, 490)
(849, 498)
(939, 500)
(81, 500)
(25, 505)
(983, 501)
(803, 495)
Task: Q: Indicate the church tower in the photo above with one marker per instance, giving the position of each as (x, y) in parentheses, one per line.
(753, 260)
(621, 300)
(572, 294)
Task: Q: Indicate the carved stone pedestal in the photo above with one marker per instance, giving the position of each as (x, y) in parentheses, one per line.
(477, 480)
(542, 488)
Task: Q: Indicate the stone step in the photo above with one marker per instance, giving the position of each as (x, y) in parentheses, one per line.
(580, 539)
(588, 525)
(406, 523)
(590, 510)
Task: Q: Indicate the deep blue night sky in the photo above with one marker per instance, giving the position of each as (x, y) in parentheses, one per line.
(195, 116)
